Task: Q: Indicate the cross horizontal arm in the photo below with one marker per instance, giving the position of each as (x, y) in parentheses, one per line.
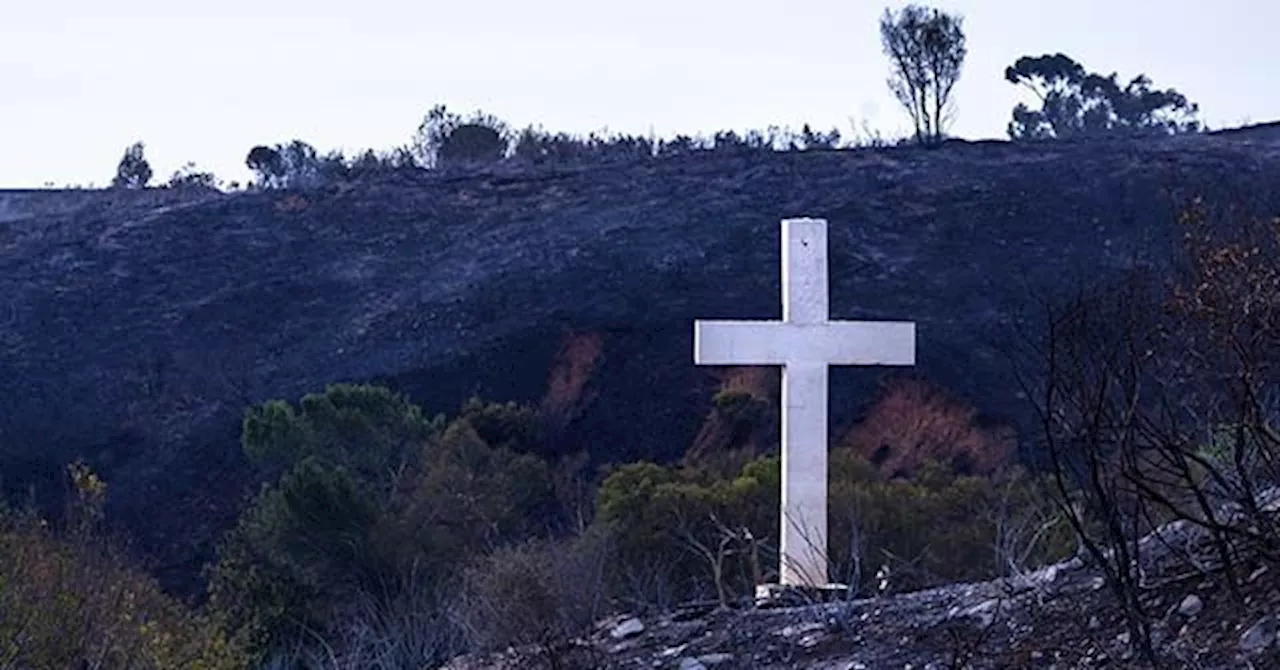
(781, 343)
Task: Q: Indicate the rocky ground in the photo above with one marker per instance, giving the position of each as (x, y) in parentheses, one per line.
(1061, 617)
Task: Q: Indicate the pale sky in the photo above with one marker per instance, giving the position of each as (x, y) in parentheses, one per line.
(205, 81)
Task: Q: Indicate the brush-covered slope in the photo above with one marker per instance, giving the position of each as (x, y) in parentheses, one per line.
(134, 331)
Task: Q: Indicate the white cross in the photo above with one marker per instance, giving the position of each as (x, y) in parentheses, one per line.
(804, 343)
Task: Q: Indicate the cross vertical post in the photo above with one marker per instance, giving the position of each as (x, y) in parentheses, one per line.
(804, 343)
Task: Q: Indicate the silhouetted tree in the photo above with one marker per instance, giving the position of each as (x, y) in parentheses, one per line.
(330, 168)
(926, 49)
(809, 139)
(267, 164)
(293, 165)
(480, 138)
(1074, 102)
(302, 166)
(472, 143)
(133, 170)
(366, 163)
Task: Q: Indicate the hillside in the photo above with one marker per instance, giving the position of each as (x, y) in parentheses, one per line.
(1059, 617)
(135, 328)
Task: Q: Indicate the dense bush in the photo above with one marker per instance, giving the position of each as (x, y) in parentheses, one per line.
(71, 599)
(938, 527)
(683, 533)
(678, 532)
(471, 144)
(371, 494)
(446, 140)
(304, 544)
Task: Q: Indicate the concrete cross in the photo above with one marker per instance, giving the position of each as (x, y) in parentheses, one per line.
(804, 343)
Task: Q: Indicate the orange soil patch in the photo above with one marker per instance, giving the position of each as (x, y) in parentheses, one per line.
(568, 391)
(913, 420)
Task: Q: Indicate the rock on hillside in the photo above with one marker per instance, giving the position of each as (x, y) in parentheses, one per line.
(135, 331)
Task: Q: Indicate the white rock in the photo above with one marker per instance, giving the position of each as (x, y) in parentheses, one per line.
(812, 640)
(1269, 500)
(687, 663)
(1260, 635)
(801, 629)
(715, 659)
(625, 645)
(985, 612)
(1191, 605)
(628, 627)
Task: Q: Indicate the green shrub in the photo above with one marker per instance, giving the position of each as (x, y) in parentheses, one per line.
(935, 528)
(257, 603)
(371, 494)
(742, 409)
(368, 429)
(696, 535)
(504, 425)
(686, 533)
(76, 601)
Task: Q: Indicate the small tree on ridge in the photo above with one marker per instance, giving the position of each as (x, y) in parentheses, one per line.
(133, 170)
(926, 49)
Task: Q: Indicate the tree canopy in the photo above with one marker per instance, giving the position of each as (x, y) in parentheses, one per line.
(1076, 103)
(133, 170)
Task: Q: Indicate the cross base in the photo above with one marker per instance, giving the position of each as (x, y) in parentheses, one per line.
(790, 595)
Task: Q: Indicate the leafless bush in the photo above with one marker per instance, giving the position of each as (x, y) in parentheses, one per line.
(406, 625)
(1153, 403)
(648, 586)
(545, 593)
(1028, 526)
